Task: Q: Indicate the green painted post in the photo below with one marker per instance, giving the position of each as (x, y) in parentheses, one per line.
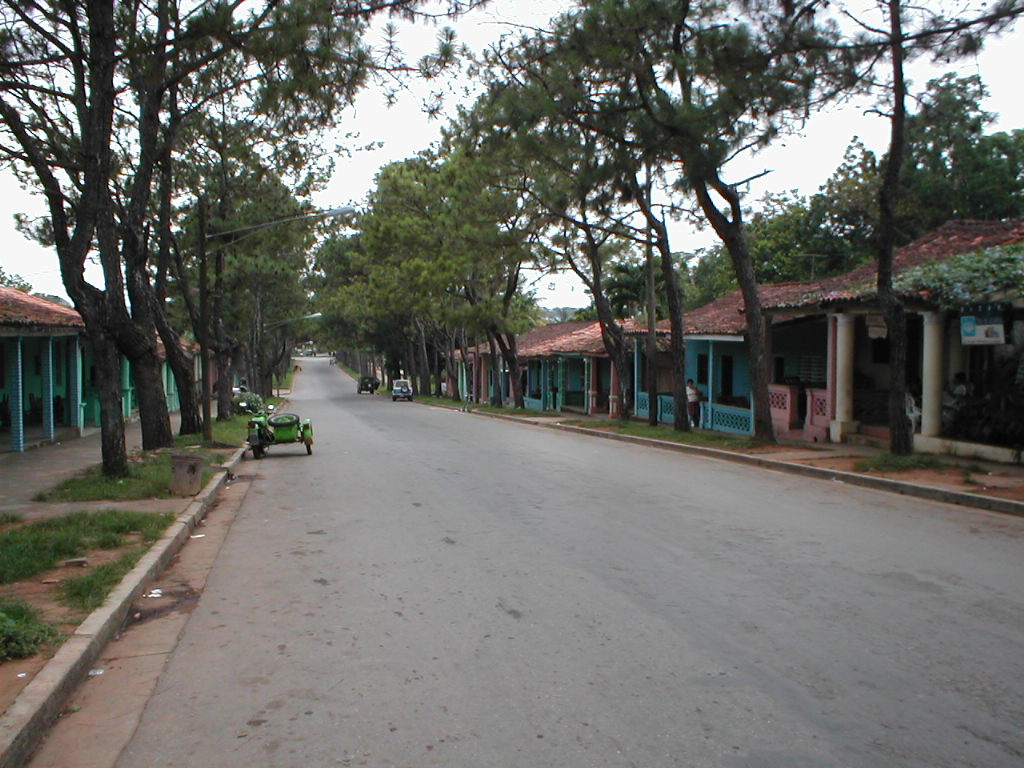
(47, 353)
(15, 402)
(587, 385)
(545, 384)
(126, 389)
(77, 402)
(562, 378)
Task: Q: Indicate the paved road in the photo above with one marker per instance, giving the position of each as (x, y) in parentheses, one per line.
(432, 588)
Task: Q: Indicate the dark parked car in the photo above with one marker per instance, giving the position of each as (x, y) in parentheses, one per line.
(367, 384)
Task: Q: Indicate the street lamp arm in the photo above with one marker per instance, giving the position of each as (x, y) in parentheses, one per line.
(344, 210)
(292, 320)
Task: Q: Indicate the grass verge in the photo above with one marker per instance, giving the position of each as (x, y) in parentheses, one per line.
(31, 549)
(86, 592)
(148, 477)
(890, 462)
(22, 632)
(694, 437)
(226, 434)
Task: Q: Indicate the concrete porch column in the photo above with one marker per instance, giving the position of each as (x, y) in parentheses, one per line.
(15, 403)
(75, 398)
(843, 424)
(47, 370)
(590, 375)
(615, 396)
(931, 373)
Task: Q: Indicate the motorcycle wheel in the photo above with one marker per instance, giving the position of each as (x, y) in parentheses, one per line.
(309, 447)
(258, 451)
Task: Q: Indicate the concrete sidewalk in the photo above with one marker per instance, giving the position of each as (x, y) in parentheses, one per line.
(44, 464)
(22, 477)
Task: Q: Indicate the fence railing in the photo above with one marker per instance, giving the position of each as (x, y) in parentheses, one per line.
(726, 418)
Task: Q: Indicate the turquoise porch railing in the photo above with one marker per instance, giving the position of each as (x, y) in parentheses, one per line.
(726, 418)
(533, 403)
(642, 405)
(666, 409)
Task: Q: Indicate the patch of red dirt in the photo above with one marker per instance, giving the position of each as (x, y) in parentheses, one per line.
(954, 478)
(43, 593)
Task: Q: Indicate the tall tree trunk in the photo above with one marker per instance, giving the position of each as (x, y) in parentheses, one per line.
(74, 230)
(901, 428)
(182, 367)
(677, 339)
(154, 418)
(731, 232)
(226, 357)
(510, 355)
(137, 339)
(107, 360)
(181, 363)
(651, 347)
(137, 336)
(615, 344)
(674, 296)
(619, 351)
(424, 358)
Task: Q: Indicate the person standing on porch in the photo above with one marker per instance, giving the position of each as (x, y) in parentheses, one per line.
(693, 398)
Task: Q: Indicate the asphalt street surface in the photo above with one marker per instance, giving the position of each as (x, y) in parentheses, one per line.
(434, 588)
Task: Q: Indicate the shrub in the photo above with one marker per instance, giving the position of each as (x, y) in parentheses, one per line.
(22, 633)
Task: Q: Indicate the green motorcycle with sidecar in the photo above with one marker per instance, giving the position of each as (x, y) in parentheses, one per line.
(266, 428)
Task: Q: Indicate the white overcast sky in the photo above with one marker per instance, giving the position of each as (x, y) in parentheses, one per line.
(801, 163)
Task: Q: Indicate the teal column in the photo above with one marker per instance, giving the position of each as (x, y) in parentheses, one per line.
(126, 389)
(587, 388)
(171, 388)
(561, 378)
(545, 388)
(15, 400)
(77, 402)
(47, 353)
(711, 386)
(636, 378)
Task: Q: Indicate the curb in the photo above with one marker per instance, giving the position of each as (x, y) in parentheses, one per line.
(39, 705)
(988, 503)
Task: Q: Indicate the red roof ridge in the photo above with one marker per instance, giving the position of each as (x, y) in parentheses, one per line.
(21, 309)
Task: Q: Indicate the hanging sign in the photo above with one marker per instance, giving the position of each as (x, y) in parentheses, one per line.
(877, 329)
(982, 324)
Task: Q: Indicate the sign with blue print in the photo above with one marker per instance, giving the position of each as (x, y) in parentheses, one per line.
(982, 324)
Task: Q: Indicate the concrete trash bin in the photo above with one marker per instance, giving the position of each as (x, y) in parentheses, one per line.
(186, 475)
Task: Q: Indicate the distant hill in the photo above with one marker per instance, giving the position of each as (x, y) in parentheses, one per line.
(564, 314)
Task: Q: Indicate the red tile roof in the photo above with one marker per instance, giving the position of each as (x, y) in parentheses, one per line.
(574, 337)
(542, 341)
(23, 311)
(725, 315)
(951, 239)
